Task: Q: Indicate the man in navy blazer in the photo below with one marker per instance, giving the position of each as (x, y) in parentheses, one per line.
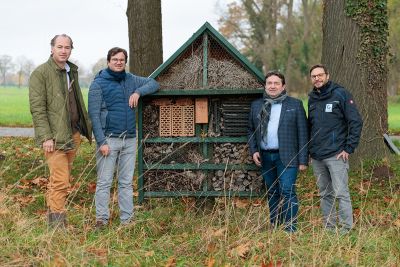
(278, 137)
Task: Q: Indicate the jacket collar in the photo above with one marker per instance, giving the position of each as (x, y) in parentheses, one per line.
(56, 67)
(324, 92)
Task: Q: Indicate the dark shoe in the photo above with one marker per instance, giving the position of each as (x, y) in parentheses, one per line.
(57, 219)
(100, 225)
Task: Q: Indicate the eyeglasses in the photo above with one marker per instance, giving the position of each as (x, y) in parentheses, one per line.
(115, 60)
(320, 75)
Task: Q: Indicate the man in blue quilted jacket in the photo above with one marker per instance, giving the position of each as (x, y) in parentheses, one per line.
(113, 97)
(278, 136)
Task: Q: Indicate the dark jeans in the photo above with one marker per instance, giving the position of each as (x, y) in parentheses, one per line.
(282, 199)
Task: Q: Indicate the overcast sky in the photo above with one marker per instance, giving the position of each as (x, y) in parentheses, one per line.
(26, 26)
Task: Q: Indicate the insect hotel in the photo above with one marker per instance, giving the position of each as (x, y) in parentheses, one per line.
(193, 132)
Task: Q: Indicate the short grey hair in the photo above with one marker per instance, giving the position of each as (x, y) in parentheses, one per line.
(53, 41)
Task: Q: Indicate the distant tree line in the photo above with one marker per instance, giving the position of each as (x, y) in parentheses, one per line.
(16, 72)
(287, 36)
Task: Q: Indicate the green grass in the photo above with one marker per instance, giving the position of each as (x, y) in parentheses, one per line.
(175, 232)
(394, 114)
(14, 106)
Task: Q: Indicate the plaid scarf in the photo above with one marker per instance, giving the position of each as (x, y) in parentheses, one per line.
(266, 112)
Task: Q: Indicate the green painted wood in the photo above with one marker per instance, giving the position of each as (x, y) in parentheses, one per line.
(201, 166)
(205, 59)
(205, 145)
(204, 194)
(178, 52)
(207, 92)
(207, 28)
(221, 139)
(235, 53)
(140, 151)
(206, 32)
(206, 148)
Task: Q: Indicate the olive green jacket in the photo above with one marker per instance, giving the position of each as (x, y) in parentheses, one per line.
(49, 104)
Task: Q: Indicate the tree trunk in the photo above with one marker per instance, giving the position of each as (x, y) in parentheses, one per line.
(348, 54)
(145, 36)
(289, 42)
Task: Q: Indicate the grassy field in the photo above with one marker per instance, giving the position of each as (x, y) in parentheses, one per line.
(178, 232)
(394, 114)
(14, 109)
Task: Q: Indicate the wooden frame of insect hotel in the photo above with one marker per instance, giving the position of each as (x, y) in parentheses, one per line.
(192, 133)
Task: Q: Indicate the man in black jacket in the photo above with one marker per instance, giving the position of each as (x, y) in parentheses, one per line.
(278, 137)
(335, 129)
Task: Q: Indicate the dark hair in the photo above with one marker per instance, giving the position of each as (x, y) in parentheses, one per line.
(53, 41)
(115, 50)
(319, 66)
(275, 73)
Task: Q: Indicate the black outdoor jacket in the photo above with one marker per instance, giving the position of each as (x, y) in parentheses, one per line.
(334, 121)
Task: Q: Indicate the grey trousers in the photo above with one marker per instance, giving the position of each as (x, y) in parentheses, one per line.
(332, 180)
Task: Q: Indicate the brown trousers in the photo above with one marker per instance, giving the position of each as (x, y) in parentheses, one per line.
(60, 165)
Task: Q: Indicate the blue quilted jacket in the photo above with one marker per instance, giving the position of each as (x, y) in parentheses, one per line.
(108, 104)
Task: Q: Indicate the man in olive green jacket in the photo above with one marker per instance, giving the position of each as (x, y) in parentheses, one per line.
(59, 118)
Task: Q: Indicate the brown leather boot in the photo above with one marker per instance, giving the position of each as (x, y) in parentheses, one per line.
(57, 219)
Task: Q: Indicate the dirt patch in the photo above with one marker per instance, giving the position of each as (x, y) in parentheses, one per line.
(382, 173)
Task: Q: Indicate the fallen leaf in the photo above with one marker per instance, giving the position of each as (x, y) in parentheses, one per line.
(39, 181)
(40, 212)
(242, 250)
(171, 262)
(219, 232)
(356, 212)
(260, 245)
(210, 262)
(387, 199)
(101, 252)
(58, 261)
(4, 212)
(25, 200)
(397, 223)
(91, 187)
(149, 253)
(24, 181)
(273, 264)
(211, 247)
(241, 203)
(257, 203)
(23, 187)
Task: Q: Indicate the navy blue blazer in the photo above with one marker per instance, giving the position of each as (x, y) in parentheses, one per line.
(292, 131)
